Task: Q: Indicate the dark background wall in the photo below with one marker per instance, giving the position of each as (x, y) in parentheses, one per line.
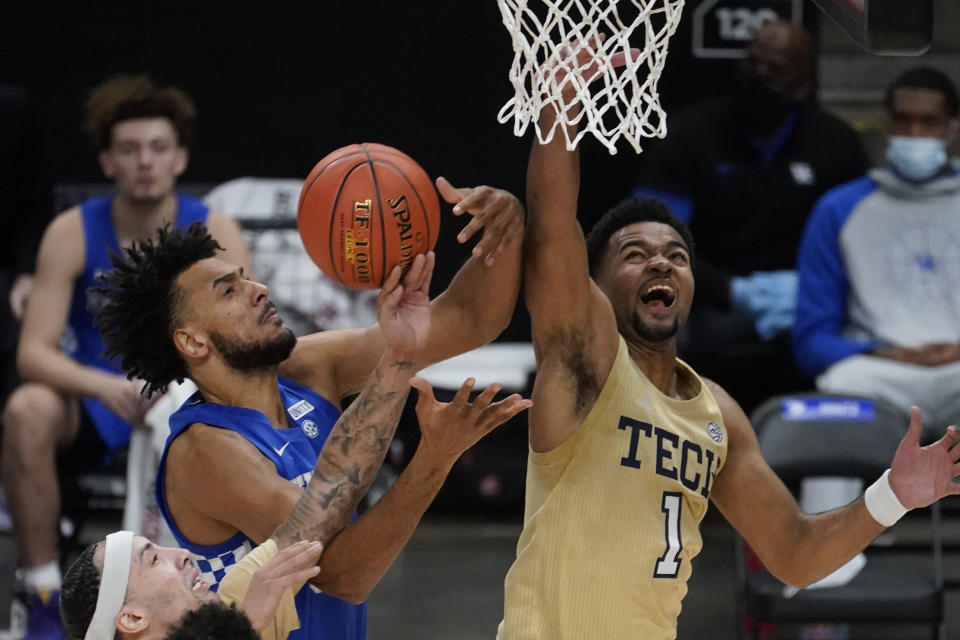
(280, 84)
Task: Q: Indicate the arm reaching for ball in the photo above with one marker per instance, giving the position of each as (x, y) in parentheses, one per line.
(474, 309)
(493, 210)
(357, 559)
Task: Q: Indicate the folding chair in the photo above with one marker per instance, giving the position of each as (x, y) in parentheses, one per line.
(816, 435)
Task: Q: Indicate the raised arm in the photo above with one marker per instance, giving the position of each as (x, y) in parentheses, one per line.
(574, 331)
(357, 559)
(798, 548)
(478, 304)
(358, 442)
(474, 309)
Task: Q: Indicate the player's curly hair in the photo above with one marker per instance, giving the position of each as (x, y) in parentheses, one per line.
(125, 97)
(140, 303)
(628, 212)
(78, 594)
(213, 621)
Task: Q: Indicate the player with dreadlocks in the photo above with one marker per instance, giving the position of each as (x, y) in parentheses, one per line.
(172, 308)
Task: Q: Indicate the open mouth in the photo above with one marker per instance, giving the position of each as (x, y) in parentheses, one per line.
(659, 295)
(198, 584)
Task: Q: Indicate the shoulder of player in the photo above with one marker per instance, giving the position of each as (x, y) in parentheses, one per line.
(724, 400)
(226, 231)
(315, 359)
(63, 239)
(216, 221)
(66, 226)
(717, 391)
(223, 480)
(202, 446)
(733, 416)
(323, 344)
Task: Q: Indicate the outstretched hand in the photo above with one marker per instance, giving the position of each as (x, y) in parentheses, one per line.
(449, 429)
(498, 212)
(920, 476)
(403, 308)
(583, 58)
(290, 568)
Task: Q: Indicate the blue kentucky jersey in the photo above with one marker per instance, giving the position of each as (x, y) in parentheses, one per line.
(293, 451)
(82, 340)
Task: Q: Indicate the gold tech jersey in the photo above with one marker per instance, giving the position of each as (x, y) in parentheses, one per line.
(612, 515)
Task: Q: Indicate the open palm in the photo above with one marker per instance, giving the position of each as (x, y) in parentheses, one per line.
(448, 429)
(920, 476)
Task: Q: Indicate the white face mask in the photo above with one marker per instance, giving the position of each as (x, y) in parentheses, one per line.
(917, 159)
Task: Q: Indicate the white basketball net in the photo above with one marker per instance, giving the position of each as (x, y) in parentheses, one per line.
(617, 102)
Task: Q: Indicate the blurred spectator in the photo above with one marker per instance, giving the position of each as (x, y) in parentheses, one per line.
(27, 207)
(745, 171)
(878, 311)
(75, 401)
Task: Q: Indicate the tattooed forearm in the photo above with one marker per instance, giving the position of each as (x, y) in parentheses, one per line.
(351, 457)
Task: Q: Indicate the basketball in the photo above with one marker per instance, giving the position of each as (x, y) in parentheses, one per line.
(364, 209)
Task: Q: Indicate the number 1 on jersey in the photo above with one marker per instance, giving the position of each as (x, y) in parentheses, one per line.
(668, 565)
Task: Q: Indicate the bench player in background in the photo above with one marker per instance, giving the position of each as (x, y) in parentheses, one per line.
(73, 400)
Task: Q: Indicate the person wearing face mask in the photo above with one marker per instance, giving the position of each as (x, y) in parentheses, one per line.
(878, 308)
(744, 171)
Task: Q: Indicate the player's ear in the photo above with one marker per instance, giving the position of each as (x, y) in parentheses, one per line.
(106, 163)
(190, 343)
(181, 158)
(131, 621)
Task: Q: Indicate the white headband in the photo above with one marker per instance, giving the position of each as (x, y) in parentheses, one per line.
(113, 586)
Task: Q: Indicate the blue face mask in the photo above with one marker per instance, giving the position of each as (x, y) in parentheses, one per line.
(917, 159)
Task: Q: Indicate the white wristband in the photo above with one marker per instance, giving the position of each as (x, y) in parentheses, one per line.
(882, 502)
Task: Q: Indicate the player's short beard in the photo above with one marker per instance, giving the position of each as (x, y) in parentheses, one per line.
(654, 334)
(252, 356)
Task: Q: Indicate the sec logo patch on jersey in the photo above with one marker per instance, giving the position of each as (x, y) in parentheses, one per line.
(715, 431)
(310, 428)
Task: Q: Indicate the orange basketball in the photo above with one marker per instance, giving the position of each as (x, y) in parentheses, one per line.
(364, 209)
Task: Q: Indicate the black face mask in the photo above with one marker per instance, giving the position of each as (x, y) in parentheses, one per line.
(761, 101)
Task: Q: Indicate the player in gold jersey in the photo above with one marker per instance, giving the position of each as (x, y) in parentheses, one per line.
(627, 443)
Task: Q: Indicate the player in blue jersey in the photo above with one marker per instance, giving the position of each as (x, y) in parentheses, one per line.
(71, 394)
(241, 450)
(157, 586)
